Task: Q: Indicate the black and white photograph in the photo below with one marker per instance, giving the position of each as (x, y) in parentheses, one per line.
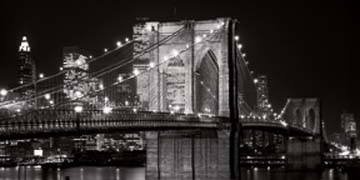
(179, 90)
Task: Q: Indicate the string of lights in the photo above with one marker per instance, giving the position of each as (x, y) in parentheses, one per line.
(98, 73)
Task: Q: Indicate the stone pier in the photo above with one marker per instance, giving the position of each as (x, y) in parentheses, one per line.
(303, 153)
(178, 155)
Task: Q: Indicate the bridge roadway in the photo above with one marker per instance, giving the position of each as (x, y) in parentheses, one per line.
(45, 123)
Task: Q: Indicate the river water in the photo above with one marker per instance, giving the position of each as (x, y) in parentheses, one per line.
(114, 173)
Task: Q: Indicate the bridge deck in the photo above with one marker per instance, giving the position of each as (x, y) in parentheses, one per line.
(42, 123)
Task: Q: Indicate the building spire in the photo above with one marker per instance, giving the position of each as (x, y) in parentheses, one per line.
(24, 47)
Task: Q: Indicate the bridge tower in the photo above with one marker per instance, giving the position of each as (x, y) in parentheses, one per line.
(304, 152)
(196, 81)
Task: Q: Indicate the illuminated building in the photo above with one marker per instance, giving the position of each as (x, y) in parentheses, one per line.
(348, 124)
(263, 105)
(26, 66)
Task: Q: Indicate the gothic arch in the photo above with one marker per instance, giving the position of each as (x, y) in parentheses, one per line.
(206, 82)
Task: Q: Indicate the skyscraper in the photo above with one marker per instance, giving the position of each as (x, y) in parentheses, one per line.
(26, 66)
(263, 105)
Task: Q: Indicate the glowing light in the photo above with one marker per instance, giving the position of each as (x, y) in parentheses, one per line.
(239, 46)
(120, 78)
(135, 110)
(136, 72)
(107, 110)
(90, 57)
(101, 86)
(41, 75)
(166, 58)
(177, 108)
(18, 110)
(24, 45)
(106, 99)
(118, 44)
(242, 117)
(282, 157)
(61, 68)
(105, 50)
(198, 39)
(284, 123)
(211, 31)
(47, 96)
(175, 53)
(127, 39)
(151, 64)
(78, 109)
(51, 102)
(243, 55)
(148, 27)
(237, 38)
(78, 94)
(127, 103)
(187, 46)
(78, 62)
(204, 35)
(3, 92)
(172, 112)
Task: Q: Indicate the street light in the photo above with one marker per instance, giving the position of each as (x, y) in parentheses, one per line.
(107, 110)
(3, 92)
(78, 109)
(41, 75)
(118, 44)
(47, 96)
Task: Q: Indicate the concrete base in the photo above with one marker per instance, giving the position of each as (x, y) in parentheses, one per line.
(178, 155)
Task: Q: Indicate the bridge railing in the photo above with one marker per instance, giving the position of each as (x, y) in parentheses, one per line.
(44, 121)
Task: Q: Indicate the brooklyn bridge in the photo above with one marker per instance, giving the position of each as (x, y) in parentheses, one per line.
(190, 91)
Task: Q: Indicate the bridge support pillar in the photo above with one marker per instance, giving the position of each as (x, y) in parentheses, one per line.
(303, 153)
(177, 155)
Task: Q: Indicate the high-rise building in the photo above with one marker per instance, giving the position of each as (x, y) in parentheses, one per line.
(77, 82)
(348, 123)
(263, 105)
(26, 65)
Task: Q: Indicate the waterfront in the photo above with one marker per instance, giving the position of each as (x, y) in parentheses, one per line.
(123, 173)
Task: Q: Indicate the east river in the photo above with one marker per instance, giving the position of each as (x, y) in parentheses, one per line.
(115, 173)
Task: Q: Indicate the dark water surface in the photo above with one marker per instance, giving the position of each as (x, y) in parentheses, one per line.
(114, 173)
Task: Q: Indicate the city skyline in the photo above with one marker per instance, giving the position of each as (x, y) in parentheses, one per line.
(310, 71)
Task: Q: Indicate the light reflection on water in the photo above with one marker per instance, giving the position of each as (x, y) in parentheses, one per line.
(280, 174)
(114, 173)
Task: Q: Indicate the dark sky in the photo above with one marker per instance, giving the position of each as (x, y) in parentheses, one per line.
(302, 46)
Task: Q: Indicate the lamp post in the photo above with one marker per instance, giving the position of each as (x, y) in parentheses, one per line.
(78, 109)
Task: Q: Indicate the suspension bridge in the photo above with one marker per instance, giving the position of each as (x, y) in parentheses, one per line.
(186, 84)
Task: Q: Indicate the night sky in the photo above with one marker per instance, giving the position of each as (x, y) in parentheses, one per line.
(302, 46)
